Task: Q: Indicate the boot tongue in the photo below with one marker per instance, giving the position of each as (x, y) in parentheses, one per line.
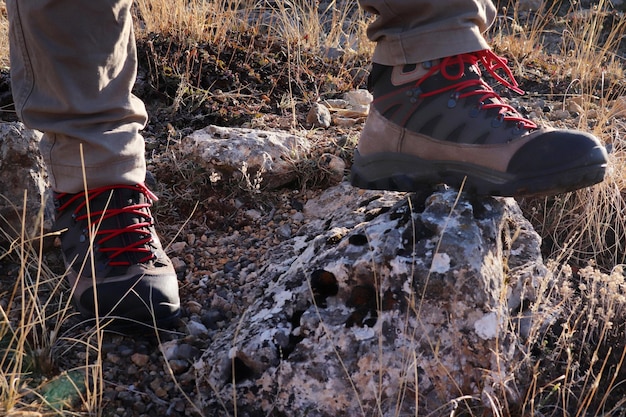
(125, 222)
(116, 231)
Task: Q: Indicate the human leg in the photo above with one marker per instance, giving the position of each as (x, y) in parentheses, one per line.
(73, 65)
(407, 32)
(438, 121)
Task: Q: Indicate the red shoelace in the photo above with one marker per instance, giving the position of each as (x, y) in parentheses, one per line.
(492, 63)
(140, 228)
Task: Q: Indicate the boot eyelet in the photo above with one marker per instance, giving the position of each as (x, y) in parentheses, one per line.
(498, 121)
(519, 128)
(453, 100)
(413, 94)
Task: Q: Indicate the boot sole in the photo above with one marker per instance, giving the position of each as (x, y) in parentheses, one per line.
(401, 172)
(127, 325)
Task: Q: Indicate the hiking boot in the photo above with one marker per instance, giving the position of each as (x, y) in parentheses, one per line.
(439, 122)
(132, 277)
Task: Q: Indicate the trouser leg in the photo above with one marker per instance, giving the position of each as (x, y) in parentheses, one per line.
(73, 65)
(407, 32)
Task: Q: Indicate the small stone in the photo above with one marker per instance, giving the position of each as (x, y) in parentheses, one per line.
(334, 165)
(574, 107)
(196, 329)
(113, 358)
(559, 115)
(170, 349)
(253, 214)
(160, 392)
(139, 407)
(178, 264)
(336, 103)
(140, 359)
(178, 366)
(284, 231)
(194, 307)
(318, 116)
(178, 247)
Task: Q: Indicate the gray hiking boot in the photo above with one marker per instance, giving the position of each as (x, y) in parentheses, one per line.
(439, 122)
(134, 279)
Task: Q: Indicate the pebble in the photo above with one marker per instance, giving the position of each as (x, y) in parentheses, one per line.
(140, 359)
(113, 357)
(559, 115)
(193, 307)
(284, 231)
(318, 116)
(197, 329)
(179, 264)
(344, 121)
(125, 350)
(178, 366)
(178, 247)
(253, 214)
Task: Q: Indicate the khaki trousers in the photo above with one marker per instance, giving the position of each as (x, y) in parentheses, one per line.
(73, 65)
(74, 62)
(410, 31)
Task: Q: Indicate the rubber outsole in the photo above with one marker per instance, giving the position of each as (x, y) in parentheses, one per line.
(399, 172)
(124, 325)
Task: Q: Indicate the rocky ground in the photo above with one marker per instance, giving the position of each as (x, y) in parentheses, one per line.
(220, 235)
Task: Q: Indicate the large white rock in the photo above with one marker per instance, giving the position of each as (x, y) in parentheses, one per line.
(387, 304)
(257, 158)
(24, 183)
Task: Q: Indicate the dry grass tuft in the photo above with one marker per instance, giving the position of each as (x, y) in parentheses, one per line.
(34, 338)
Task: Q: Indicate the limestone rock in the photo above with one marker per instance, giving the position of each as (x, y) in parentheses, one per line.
(24, 183)
(257, 158)
(401, 304)
(354, 106)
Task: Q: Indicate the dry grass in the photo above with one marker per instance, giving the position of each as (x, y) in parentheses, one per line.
(579, 367)
(297, 22)
(34, 338)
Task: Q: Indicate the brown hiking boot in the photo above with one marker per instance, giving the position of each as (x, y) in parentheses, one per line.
(439, 122)
(134, 280)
